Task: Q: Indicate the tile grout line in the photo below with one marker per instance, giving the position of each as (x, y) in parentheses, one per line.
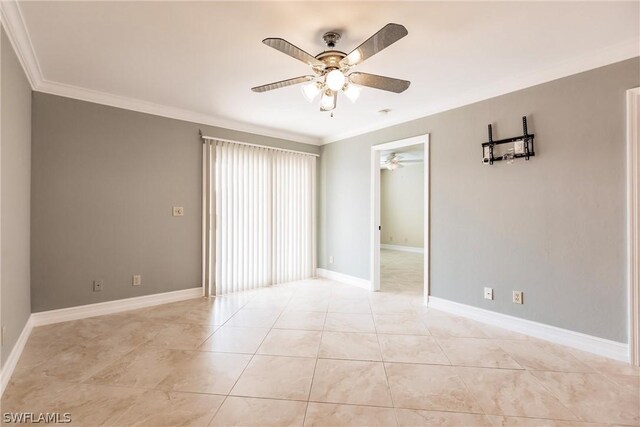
(313, 376)
(237, 379)
(386, 375)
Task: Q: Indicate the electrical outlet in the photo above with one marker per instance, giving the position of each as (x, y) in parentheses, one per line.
(330, 259)
(97, 285)
(178, 211)
(137, 280)
(517, 297)
(488, 293)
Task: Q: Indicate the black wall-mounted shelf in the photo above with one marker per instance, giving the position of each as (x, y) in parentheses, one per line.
(526, 137)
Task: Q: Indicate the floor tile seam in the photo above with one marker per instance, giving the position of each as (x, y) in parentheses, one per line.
(315, 366)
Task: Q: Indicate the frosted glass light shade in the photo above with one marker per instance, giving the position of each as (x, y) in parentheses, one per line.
(335, 80)
(352, 92)
(328, 101)
(311, 91)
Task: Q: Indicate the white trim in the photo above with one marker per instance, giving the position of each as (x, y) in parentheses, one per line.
(603, 347)
(633, 223)
(110, 307)
(344, 278)
(375, 223)
(11, 362)
(375, 207)
(427, 219)
(13, 23)
(103, 98)
(82, 312)
(21, 41)
(402, 248)
(589, 61)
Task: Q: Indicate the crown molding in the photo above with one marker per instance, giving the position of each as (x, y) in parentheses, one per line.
(14, 23)
(598, 58)
(103, 98)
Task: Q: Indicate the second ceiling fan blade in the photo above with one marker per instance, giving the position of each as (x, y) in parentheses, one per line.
(282, 83)
(388, 35)
(379, 82)
(293, 51)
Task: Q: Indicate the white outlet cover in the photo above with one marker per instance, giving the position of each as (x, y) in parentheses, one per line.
(137, 280)
(517, 297)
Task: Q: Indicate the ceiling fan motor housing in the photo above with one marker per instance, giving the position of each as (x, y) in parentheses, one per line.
(331, 59)
(331, 38)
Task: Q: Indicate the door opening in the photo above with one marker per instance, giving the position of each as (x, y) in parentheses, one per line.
(400, 216)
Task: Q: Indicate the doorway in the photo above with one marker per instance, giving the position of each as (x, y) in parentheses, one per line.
(400, 216)
(633, 221)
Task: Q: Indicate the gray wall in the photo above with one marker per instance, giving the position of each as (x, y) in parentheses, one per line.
(104, 182)
(553, 227)
(402, 205)
(15, 170)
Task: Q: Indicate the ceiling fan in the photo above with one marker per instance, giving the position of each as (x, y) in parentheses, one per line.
(395, 161)
(332, 68)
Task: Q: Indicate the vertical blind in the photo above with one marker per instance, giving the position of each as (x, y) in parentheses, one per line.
(258, 216)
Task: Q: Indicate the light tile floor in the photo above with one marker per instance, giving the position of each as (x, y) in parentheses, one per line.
(401, 271)
(314, 352)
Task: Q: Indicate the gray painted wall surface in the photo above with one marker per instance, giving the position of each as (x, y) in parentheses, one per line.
(553, 227)
(402, 206)
(15, 154)
(104, 183)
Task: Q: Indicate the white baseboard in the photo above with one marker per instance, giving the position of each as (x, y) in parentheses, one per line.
(603, 347)
(344, 278)
(84, 311)
(110, 307)
(402, 248)
(11, 362)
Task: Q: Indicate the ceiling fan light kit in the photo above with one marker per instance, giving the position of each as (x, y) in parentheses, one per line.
(332, 68)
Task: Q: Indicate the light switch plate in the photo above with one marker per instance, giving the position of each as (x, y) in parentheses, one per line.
(178, 211)
(488, 293)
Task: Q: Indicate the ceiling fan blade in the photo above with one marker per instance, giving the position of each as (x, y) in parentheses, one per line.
(379, 82)
(293, 51)
(388, 35)
(282, 83)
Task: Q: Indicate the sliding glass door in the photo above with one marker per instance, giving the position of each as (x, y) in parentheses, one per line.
(259, 216)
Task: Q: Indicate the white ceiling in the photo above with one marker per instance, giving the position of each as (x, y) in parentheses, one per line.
(200, 59)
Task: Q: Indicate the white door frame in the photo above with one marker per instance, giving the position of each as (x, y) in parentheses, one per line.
(633, 221)
(375, 207)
